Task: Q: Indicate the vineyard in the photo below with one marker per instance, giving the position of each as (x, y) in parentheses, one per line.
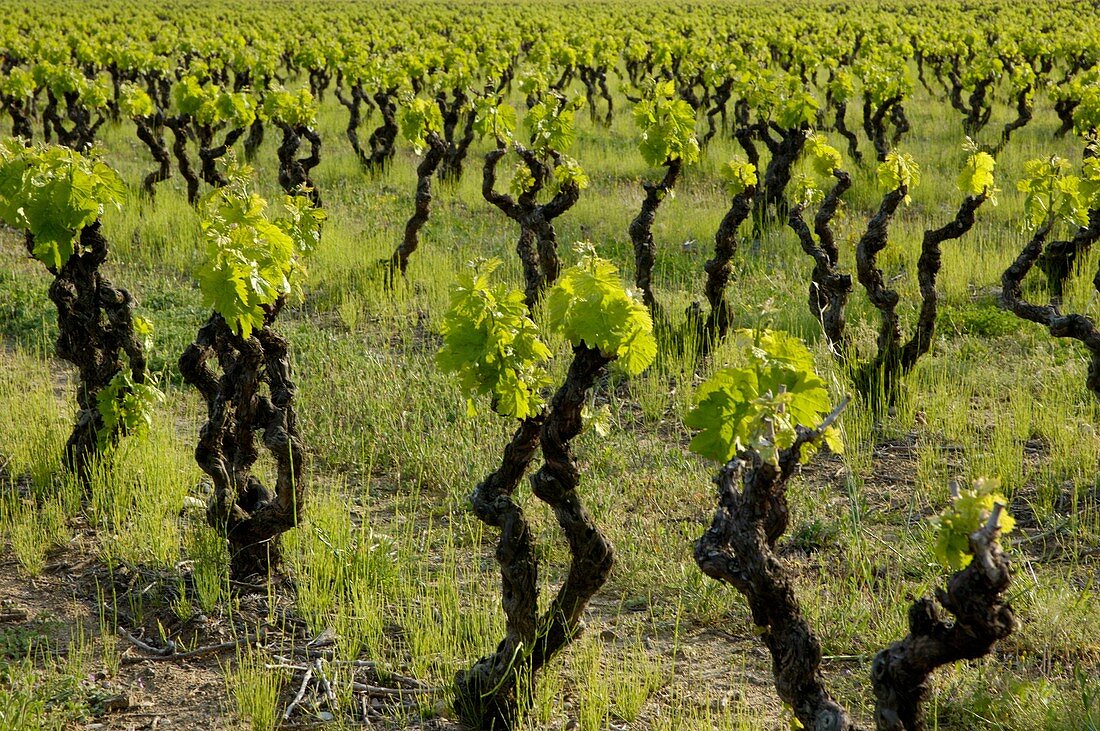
(591, 366)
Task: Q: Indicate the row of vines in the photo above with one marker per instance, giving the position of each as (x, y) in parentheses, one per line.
(201, 102)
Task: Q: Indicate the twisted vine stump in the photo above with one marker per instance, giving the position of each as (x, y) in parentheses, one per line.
(719, 270)
(738, 550)
(980, 616)
(879, 378)
(247, 388)
(380, 145)
(641, 232)
(538, 243)
(457, 143)
(1058, 259)
(150, 130)
(497, 689)
(399, 262)
(841, 127)
(874, 123)
(95, 329)
(829, 287)
(294, 171)
(785, 151)
(1075, 326)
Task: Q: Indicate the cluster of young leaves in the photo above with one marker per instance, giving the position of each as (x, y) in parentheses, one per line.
(251, 259)
(1086, 117)
(968, 512)
(976, 176)
(551, 125)
(53, 193)
(125, 405)
(492, 345)
(738, 175)
(18, 84)
(759, 406)
(494, 118)
(899, 169)
(569, 171)
(798, 107)
(135, 101)
(1052, 193)
(588, 304)
(293, 109)
(212, 106)
(667, 126)
(419, 118)
(823, 160)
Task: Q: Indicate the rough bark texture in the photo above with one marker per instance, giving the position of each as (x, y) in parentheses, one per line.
(76, 130)
(538, 244)
(1023, 116)
(641, 232)
(874, 124)
(487, 693)
(829, 287)
(1058, 259)
(251, 516)
(150, 130)
(458, 133)
(784, 153)
(879, 377)
(293, 170)
(1078, 327)
(842, 128)
(254, 139)
(719, 270)
(980, 617)
(21, 117)
(180, 133)
(738, 549)
(399, 262)
(928, 268)
(95, 328)
(210, 152)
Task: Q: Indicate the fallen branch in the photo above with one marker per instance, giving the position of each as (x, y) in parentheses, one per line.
(170, 653)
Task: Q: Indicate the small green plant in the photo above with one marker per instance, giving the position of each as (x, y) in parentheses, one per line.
(761, 440)
(666, 139)
(57, 196)
(254, 264)
(497, 350)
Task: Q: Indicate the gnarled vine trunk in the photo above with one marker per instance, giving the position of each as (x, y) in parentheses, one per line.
(247, 388)
(739, 550)
(399, 262)
(494, 692)
(641, 232)
(538, 243)
(95, 330)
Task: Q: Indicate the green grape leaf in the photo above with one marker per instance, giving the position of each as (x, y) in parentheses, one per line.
(976, 177)
(494, 119)
(667, 126)
(898, 170)
(492, 345)
(252, 260)
(967, 513)
(53, 193)
(589, 305)
(126, 407)
(418, 119)
(738, 176)
(760, 406)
